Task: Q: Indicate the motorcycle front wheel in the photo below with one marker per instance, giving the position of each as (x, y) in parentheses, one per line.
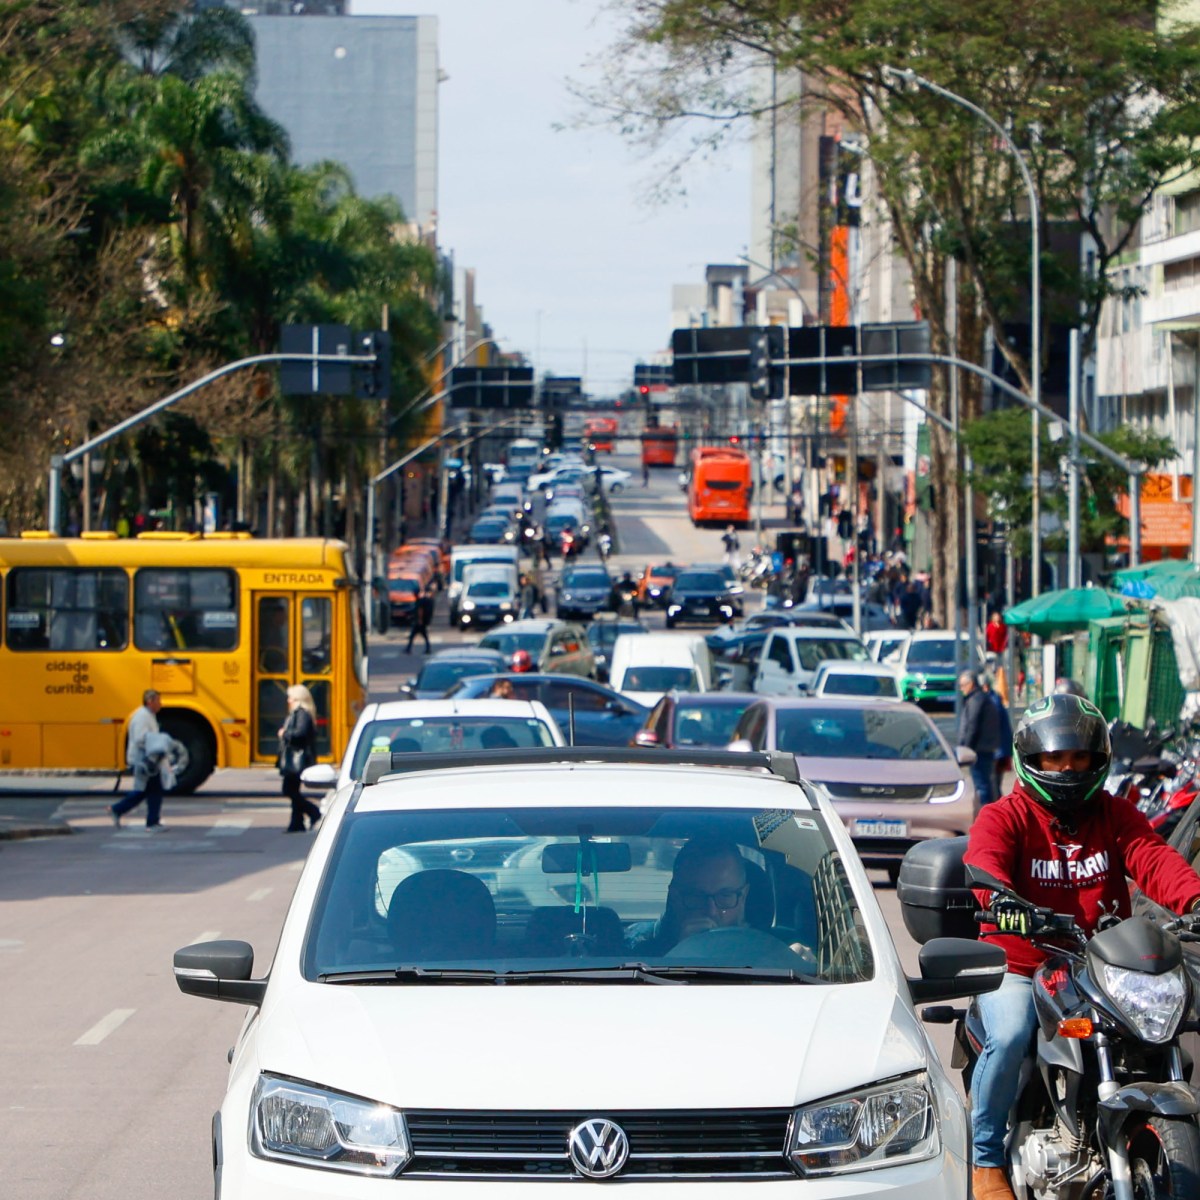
(1164, 1158)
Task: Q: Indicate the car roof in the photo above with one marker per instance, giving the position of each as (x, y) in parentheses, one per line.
(847, 666)
(454, 706)
(483, 652)
(933, 635)
(711, 699)
(531, 625)
(840, 704)
(811, 632)
(617, 786)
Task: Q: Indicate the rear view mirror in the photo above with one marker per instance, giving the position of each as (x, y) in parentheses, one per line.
(954, 967)
(965, 756)
(219, 971)
(588, 858)
(319, 775)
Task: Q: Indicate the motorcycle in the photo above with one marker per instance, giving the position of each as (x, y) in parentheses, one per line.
(627, 600)
(1139, 765)
(604, 544)
(1104, 1110)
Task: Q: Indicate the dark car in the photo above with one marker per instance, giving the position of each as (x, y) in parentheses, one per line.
(602, 717)
(603, 633)
(682, 719)
(492, 530)
(441, 672)
(584, 591)
(701, 596)
(874, 616)
(761, 623)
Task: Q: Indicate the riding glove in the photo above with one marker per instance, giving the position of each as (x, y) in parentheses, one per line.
(1012, 915)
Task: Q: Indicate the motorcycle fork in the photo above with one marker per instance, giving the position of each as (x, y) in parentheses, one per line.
(1118, 1153)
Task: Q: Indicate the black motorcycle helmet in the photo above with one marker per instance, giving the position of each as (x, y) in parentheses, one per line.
(1062, 722)
(1064, 685)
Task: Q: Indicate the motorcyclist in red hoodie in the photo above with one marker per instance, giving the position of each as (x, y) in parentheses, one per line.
(1058, 841)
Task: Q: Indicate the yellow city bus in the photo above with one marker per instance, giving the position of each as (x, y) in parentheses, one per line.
(221, 625)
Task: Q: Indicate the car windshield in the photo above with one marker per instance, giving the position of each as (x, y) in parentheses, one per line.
(531, 891)
(488, 587)
(665, 571)
(510, 643)
(448, 734)
(700, 581)
(935, 652)
(857, 733)
(586, 579)
(438, 676)
(814, 651)
(659, 679)
(707, 724)
(838, 684)
(403, 585)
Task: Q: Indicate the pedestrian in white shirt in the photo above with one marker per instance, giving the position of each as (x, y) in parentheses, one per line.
(147, 782)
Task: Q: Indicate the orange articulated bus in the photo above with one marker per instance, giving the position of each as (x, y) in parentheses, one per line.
(719, 486)
(220, 626)
(601, 433)
(659, 444)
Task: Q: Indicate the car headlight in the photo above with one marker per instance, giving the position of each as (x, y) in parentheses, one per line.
(945, 793)
(505, 605)
(300, 1123)
(674, 608)
(885, 1125)
(735, 590)
(1152, 1004)
(468, 606)
(656, 591)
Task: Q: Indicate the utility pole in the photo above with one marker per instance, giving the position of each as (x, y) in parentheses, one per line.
(1073, 550)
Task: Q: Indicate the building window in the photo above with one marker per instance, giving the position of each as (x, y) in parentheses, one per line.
(1187, 212)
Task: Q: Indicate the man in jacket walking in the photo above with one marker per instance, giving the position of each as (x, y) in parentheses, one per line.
(147, 782)
(979, 729)
(422, 615)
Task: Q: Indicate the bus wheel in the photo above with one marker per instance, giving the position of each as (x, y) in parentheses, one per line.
(201, 752)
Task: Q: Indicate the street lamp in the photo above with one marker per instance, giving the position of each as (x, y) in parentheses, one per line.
(1035, 305)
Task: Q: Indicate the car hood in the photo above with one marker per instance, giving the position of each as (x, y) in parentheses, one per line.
(484, 1047)
(587, 590)
(896, 771)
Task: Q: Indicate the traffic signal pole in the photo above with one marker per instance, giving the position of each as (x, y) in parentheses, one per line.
(58, 461)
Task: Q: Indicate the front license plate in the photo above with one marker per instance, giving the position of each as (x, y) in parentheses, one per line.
(881, 828)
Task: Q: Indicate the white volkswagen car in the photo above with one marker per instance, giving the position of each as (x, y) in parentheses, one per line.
(492, 972)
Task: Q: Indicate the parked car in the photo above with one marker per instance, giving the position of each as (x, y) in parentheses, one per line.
(445, 726)
(552, 646)
(894, 778)
(843, 677)
(603, 631)
(791, 655)
(682, 719)
(602, 717)
(584, 589)
(444, 669)
(376, 1051)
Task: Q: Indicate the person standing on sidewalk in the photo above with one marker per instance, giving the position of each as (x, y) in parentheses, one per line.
(297, 750)
(147, 782)
(979, 730)
(422, 615)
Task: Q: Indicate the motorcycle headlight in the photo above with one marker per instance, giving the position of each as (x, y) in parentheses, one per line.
(945, 793)
(1152, 1004)
(300, 1123)
(885, 1125)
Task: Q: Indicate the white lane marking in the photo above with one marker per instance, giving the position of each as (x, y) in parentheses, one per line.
(229, 826)
(11, 944)
(105, 1026)
(297, 866)
(259, 894)
(209, 935)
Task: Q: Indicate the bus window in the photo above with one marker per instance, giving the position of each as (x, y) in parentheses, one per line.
(273, 652)
(185, 609)
(67, 608)
(316, 635)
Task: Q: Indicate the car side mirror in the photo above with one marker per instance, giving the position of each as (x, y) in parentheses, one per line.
(615, 706)
(741, 746)
(965, 756)
(954, 967)
(319, 775)
(219, 971)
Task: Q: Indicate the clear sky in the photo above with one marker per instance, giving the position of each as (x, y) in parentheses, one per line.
(573, 264)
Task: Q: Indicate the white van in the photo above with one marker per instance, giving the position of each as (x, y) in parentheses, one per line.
(646, 665)
(790, 658)
(489, 596)
(462, 557)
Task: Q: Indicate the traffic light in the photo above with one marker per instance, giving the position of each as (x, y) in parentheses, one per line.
(766, 343)
(374, 380)
(644, 391)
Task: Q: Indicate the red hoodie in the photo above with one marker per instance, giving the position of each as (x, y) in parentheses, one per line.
(1077, 868)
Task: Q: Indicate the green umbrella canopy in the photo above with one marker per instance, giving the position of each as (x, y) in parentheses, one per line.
(1066, 609)
(1151, 572)
(1174, 584)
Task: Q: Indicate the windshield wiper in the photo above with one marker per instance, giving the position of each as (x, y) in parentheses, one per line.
(634, 972)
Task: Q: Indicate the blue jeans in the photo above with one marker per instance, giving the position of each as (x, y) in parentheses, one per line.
(151, 793)
(1009, 1023)
(983, 772)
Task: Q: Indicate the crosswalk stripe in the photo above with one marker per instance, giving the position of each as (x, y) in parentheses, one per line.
(230, 826)
(260, 894)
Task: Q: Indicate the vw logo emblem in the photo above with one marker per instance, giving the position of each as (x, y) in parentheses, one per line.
(597, 1148)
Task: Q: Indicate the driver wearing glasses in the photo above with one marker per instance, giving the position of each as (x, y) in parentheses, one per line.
(708, 891)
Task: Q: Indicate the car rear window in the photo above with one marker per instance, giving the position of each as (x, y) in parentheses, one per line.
(439, 676)
(659, 679)
(707, 724)
(531, 890)
(857, 733)
(859, 685)
(510, 643)
(448, 734)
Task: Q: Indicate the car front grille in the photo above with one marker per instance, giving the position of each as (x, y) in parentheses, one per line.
(533, 1145)
(883, 792)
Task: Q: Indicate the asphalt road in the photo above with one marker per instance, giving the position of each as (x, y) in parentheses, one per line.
(110, 1074)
